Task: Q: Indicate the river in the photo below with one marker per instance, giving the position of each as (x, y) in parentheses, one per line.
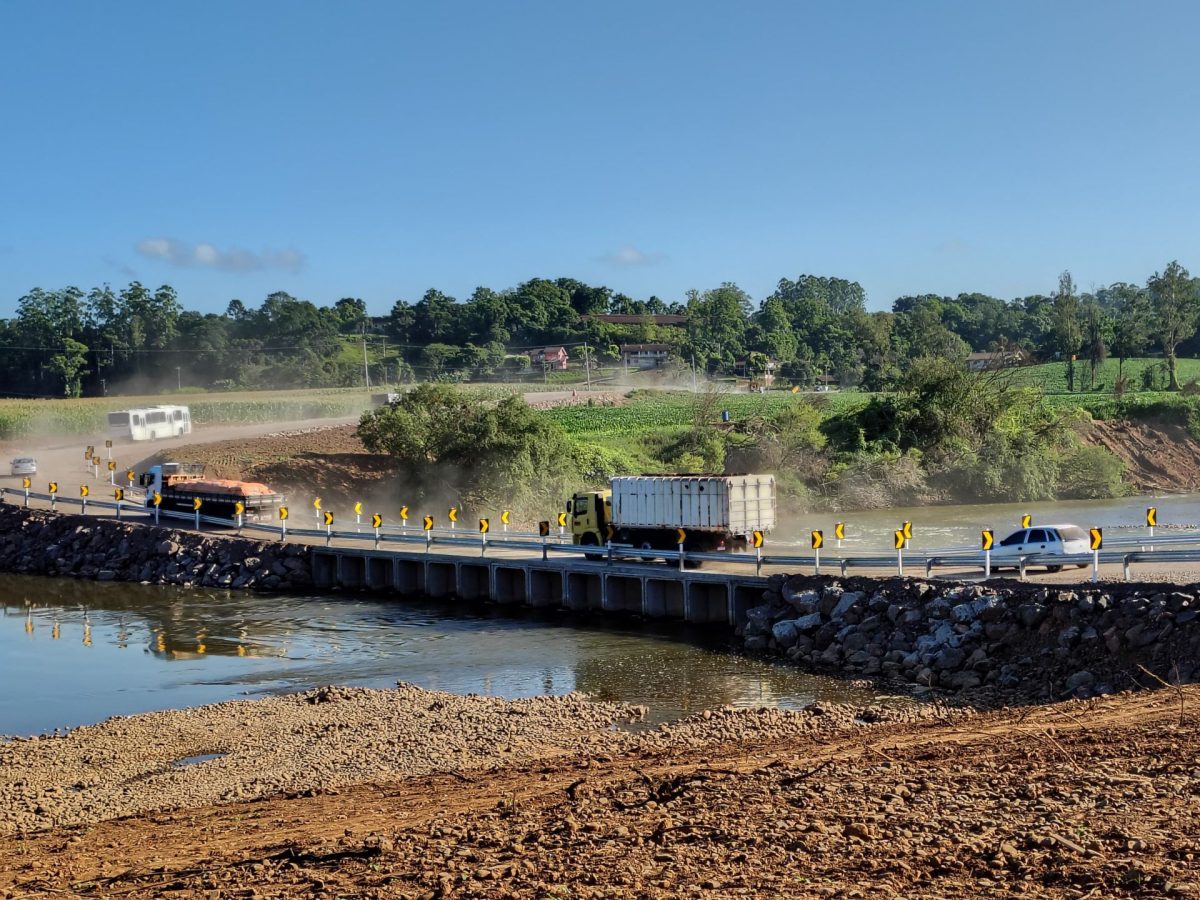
(74, 652)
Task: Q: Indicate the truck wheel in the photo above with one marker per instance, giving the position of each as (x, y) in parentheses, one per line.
(646, 545)
(589, 540)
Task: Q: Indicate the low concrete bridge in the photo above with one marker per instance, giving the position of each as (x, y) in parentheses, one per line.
(652, 590)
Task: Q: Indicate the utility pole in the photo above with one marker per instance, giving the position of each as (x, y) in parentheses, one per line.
(178, 379)
(587, 365)
(693, 373)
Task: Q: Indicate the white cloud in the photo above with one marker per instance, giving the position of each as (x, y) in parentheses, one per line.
(630, 255)
(206, 255)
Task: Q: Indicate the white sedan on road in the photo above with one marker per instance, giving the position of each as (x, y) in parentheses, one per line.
(1042, 541)
(24, 465)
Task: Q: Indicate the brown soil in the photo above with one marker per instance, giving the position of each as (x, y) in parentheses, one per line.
(1084, 799)
(1158, 456)
(328, 462)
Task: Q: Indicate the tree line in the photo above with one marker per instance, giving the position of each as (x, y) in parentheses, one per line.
(71, 342)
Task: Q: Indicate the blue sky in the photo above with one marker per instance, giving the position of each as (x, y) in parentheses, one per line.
(378, 149)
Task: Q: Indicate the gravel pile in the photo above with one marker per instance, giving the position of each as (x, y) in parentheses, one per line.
(321, 739)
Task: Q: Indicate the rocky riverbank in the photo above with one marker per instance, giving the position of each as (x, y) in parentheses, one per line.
(1021, 641)
(38, 542)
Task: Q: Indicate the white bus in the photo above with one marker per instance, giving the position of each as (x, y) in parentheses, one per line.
(149, 423)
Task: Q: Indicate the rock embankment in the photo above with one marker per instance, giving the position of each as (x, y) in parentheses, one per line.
(1029, 642)
(36, 542)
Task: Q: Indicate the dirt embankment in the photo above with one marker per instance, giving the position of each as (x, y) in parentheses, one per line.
(1158, 456)
(1097, 798)
(330, 463)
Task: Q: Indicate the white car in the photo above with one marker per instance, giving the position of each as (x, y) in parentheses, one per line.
(24, 465)
(1042, 541)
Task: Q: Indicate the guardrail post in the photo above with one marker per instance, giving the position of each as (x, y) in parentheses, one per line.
(545, 552)
(929, 566)
(681, 557)
(27, 498)
(197, 520)
(1021, 567)
(483, 545)
(239, 525)
(817, 561)
(610, 553)
(118, 510)
(900, 562)
(845, 568)
(987, 565)
(1095, 566)
(1125, 565)
(282, 527)
(758, 560)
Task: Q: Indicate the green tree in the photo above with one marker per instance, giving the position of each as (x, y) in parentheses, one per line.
(1097, 330)
(69, 364)
(1068, 332)
(1176, 308)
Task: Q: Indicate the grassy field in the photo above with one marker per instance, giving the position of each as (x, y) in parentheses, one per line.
(21, 418)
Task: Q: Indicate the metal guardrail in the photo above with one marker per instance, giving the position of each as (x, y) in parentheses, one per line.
(610, 554)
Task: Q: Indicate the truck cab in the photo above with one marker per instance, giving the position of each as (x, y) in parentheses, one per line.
(591, 513)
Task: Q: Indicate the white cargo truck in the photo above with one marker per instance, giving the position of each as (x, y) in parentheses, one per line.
(715, 512)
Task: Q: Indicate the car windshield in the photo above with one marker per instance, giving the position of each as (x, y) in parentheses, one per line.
(1071, 533)
(22, 461)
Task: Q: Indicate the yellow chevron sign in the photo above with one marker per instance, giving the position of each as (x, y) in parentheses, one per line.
(1097, 535)
(484, 525)
(196, 503)
(562, 519)
(376, 521)
(680, 535)
(239, 508)
(899, 536)
(328, 518)
(504, 517)
(452, 514)
(987, 539)
(83, 490)
(54, 487)
(358, 508)
(1026, 520)
(839, 531)
(404, 513)
(429, 523)
(283, 513)
(1152, 516)
(157, 501)
(118, 495)
(907, 529)
(818, 540)
(756, 539)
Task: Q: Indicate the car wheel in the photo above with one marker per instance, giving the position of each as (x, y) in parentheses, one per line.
(1054, 568)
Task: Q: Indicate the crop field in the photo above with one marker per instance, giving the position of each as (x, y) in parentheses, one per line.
(22, 418)
(650, 410)
(1052, 377)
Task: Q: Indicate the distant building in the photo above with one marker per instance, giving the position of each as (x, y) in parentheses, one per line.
(633, 319)
(645, 356)
(549, 357)
(979, 362)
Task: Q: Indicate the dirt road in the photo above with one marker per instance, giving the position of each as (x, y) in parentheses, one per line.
(1083, 799)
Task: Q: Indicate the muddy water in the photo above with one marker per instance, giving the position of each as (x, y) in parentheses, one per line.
(73, 653)
(940, 527)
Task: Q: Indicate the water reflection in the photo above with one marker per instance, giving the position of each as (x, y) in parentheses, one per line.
(83, 651)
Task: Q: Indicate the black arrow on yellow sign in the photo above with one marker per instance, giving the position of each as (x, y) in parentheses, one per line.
(907, 529)
(756, 539)
(328, 518)
(83, 490)
(543, 528)
(818, 540)
(988, 539)
(680, 535)
(1152, 517)
(238, 508)
(376, 521)
(283, 511)
(839, 531)
(118, 495)
(562, 519)
(428, 522)
(1026, 520)
(1097, 535)
(484, 525)
(899, 536)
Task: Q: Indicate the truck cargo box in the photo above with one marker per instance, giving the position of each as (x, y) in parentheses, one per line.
(730, 504)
